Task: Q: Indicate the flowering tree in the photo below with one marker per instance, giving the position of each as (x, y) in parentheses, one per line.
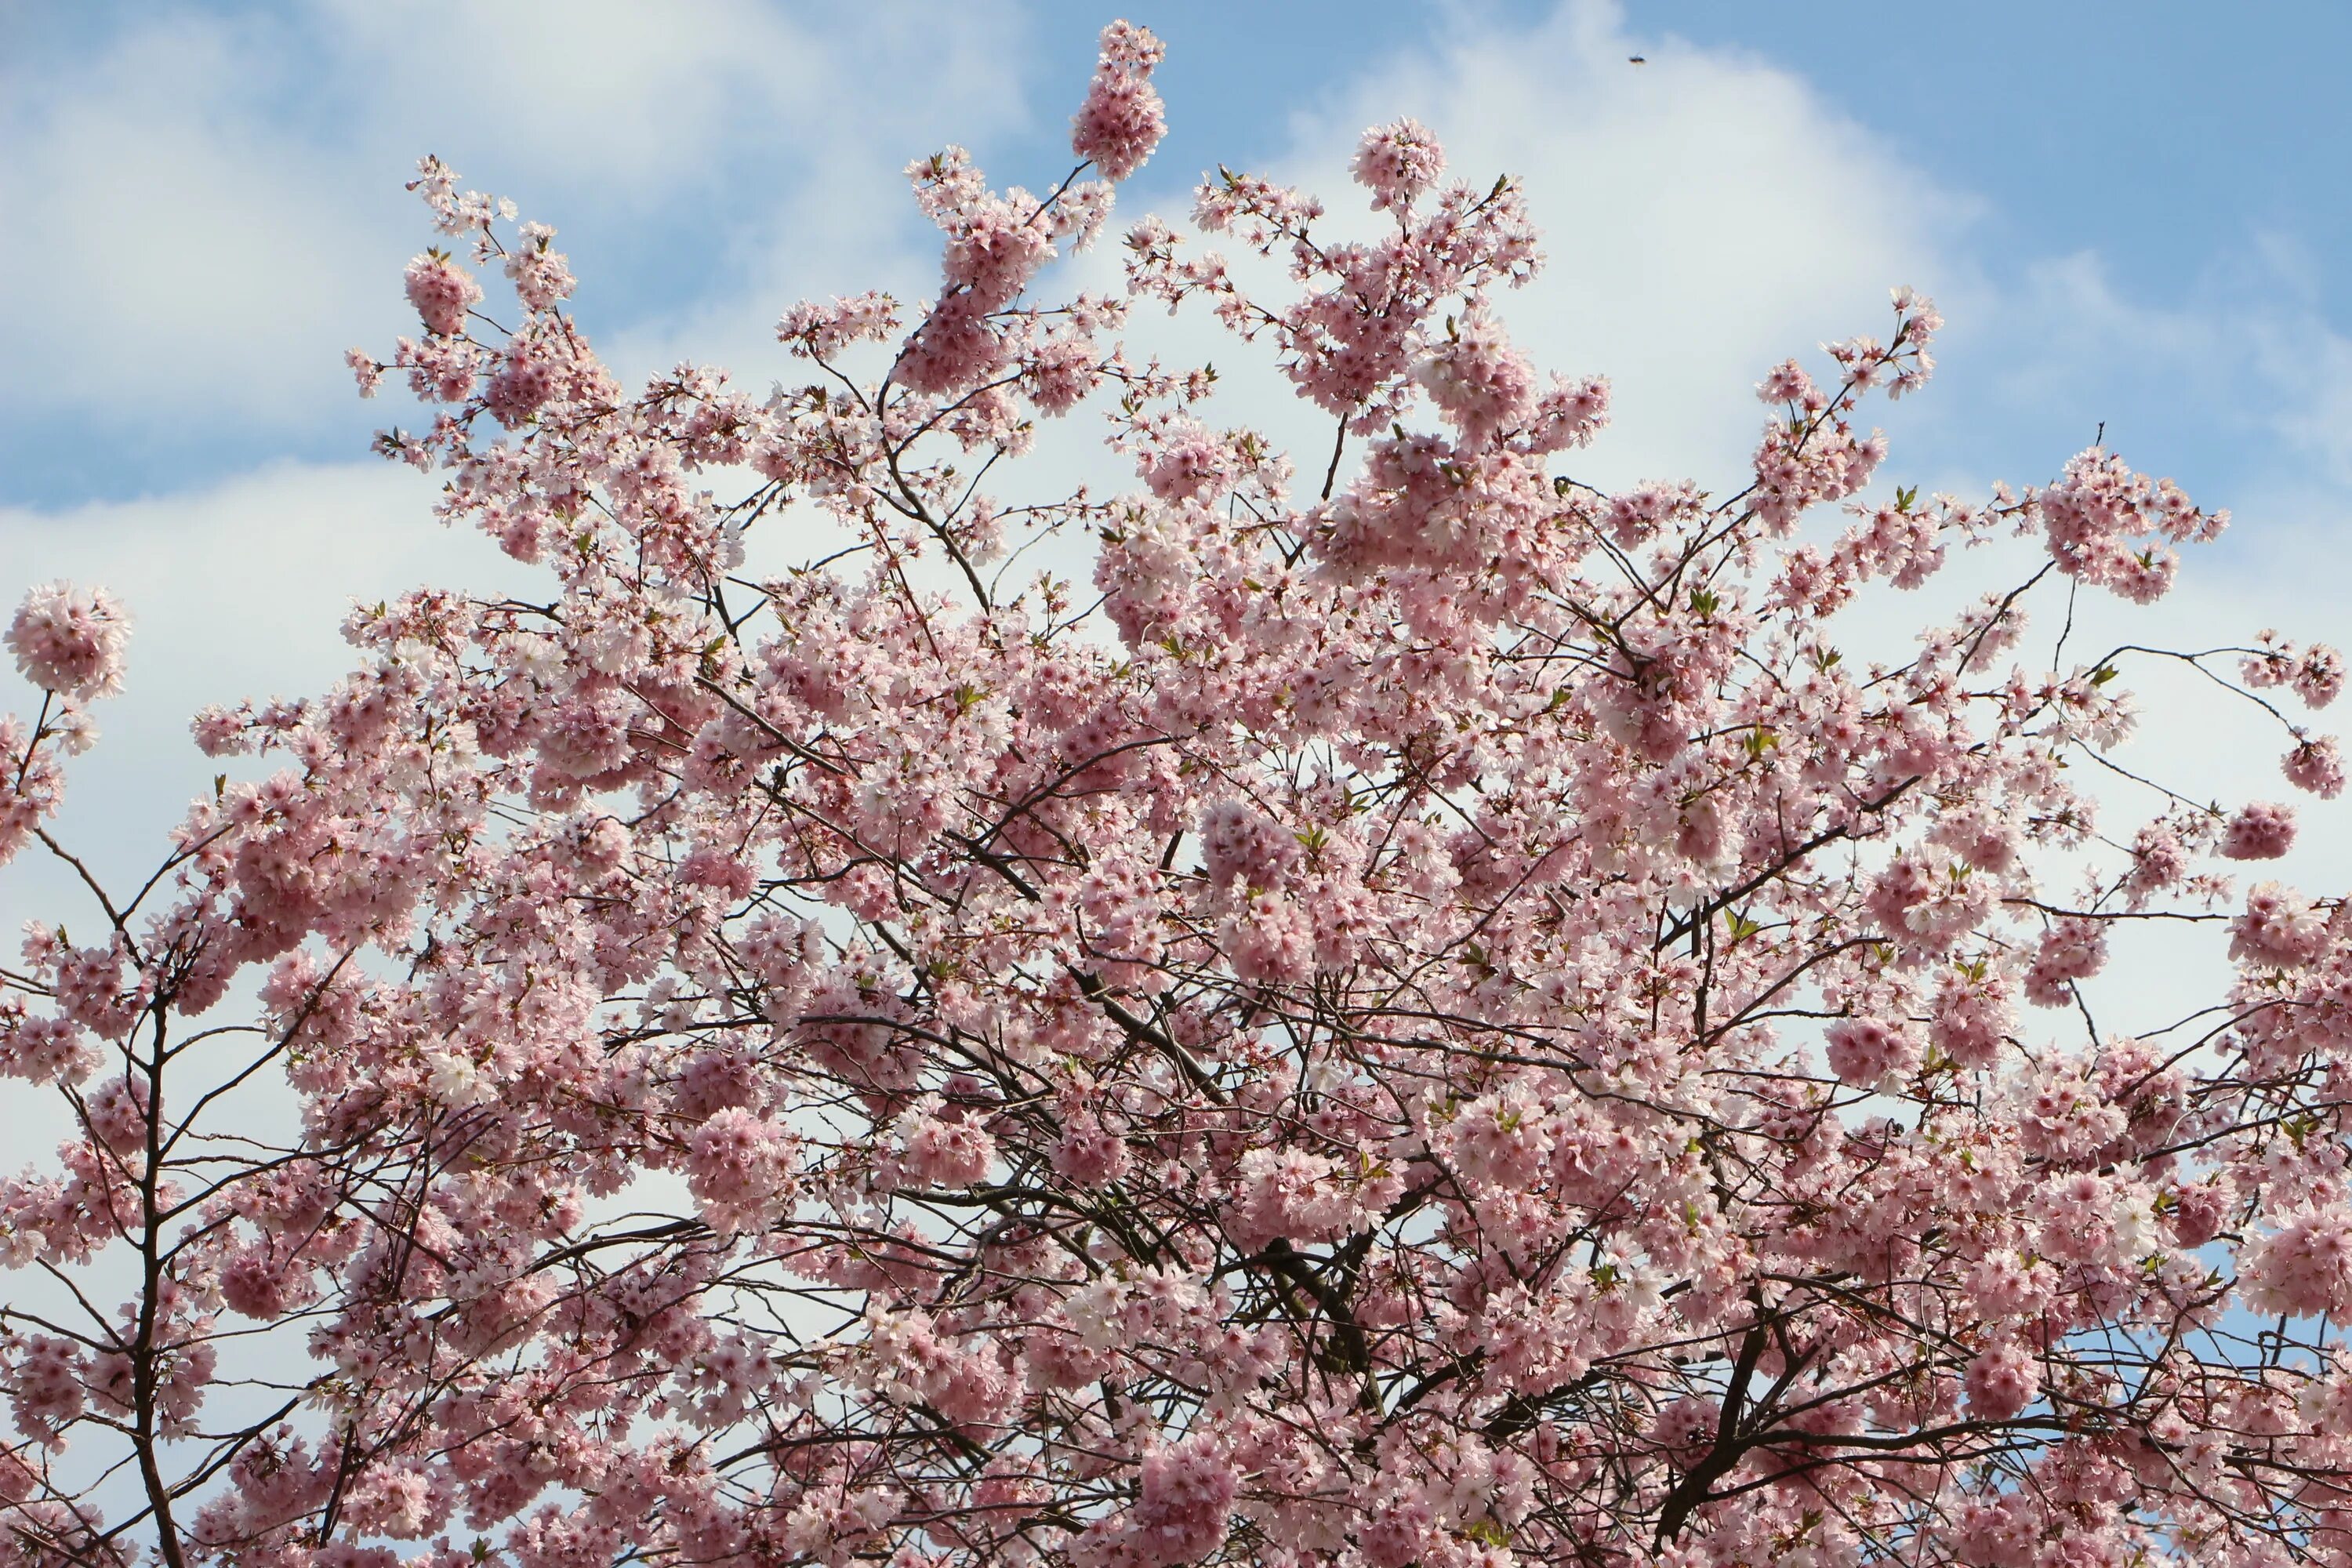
(1437, 1022)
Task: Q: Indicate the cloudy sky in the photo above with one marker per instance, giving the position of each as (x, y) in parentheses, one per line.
(2129, 213)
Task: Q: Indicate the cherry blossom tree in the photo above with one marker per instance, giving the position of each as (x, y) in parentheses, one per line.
(1429, 1016)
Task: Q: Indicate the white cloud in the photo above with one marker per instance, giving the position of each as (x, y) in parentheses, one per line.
(164, 245)
(204, 210)
(239, 591)
(1704, 213)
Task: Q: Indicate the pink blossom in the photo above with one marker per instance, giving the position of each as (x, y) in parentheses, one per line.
(1270, 939)
(2159, 861)
(945, 1153)
(46, 1388)
(1239, 843)
(2001, 1381)
(30, 791)
(1186, 464)
(2261, 831)
(853, 1052)
(69, 640)
(521, 387)
(442, 293)
(1289, 1194)
(1568, 415)
(2070, 950)
(2318, 678)
(1788, 383)
(2305, 1269)
(1061, 371)
(1398, 162)
(45, 1050)
(2099, 517)
(820, 332)
(2280, 928)
(741, 1168)
(540, 275)
(365, 371)
(1121, 121)
(1089, 1153)
(255, 1284)
(1971, 1018)
(1686, 1428)
(2315, 764)
(1181, 1516)
(1865, 1051)
(1477, 379)
(117, 1116)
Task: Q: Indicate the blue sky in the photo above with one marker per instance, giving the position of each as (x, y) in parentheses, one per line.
(2131, 214)
(191, 163)
(212, 162)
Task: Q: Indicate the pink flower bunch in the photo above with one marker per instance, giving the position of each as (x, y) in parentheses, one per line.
(2096, 517)
(1398, 162)
(1241, 844)
(1181, 1516)
(1479, 382)
(823, 331)
(2261, 831)
(741, 1168)
(2305, 1269)
(2315, 674)
(2315, 763)
(2002, 1381)
(442, 292)
(44, 1049)
(2280, 928)
(2072, 949)
(1865, 1051)
(68, 641)
(539, 273)
(1122, 120)
(944, 1152)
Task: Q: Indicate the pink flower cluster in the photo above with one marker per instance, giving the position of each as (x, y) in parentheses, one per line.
(1122, 120)
(68, 641)
(442, 293)
(2261, 831)
(1398, 163)
(2097, 516)
(1865, 1050)
(1181, 1515)
(2316, 674)
(741, 1168)
(2002, 1381)
(2304, 1269)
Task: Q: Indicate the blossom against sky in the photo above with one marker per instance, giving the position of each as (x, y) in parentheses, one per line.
(2122, 210)
(203, 197)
